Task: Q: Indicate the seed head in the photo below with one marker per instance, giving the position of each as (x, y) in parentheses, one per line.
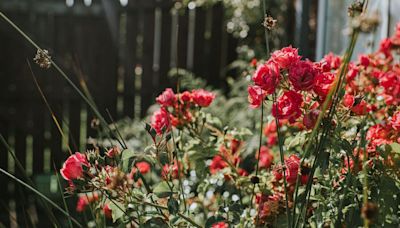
(42, 58)
(269, 22)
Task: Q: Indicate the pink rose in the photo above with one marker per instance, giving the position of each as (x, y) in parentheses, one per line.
(202, 98)
(160, 121)
(267, 76)
(72, 167)
(167, 98)
(256, 96)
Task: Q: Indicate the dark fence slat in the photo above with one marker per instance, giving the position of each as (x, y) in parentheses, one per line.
(147, 94)
(130, 60)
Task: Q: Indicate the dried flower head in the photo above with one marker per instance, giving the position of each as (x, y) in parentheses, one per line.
(355, 9)
(269, 22)
(366, 23)
(95, 123)
(42, 58)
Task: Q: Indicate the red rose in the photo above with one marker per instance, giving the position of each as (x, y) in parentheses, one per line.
(202, 98)
(379, 135)
(217, 164)
(186, 97)
(288, 106)
(302, 75)
(267, 76)
(266, 158)
(167, 98)
(323, 83)
(220, 225)
(160, 120)
(256, 96)
(84, 201)
(364, 60)
(292, 168)
(385, 46)
(143, 167)
(330, 62)
(72, 167)
(390, 81)
(286, 57)
(107, 211)
(348, 100)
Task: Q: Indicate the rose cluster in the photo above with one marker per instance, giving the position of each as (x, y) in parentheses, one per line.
(177, 109)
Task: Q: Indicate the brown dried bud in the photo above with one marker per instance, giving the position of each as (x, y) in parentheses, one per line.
(43, 59)
(269, 22)
(355, 9)
(369, 211)
(95, 123)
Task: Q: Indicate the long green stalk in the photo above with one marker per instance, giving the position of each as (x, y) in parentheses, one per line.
(332, 95)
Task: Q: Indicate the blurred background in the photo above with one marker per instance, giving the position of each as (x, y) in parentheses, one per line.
(124, 51)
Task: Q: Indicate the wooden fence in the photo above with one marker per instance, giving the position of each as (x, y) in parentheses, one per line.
(124, 54)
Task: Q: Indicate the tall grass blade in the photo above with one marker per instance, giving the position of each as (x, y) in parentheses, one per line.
(40, 195)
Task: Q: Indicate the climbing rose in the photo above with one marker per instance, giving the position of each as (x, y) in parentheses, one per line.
(160, 120)
(72, 168)
(286, 57)
(288, 106)
(267, 76)
(302, 75)
(167, 98)
(202, 98)
(256, 96)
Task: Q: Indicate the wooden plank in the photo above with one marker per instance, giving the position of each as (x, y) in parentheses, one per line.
(199, 67)
(130, 52)
(183, 21)
(165, 50)
(147, 92)
(214, 77)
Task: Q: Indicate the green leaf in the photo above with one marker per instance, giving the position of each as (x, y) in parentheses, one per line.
(126, 159)
(117, 210)
(156, 222)
(162, 190)
(173, 206)
(395, 147)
